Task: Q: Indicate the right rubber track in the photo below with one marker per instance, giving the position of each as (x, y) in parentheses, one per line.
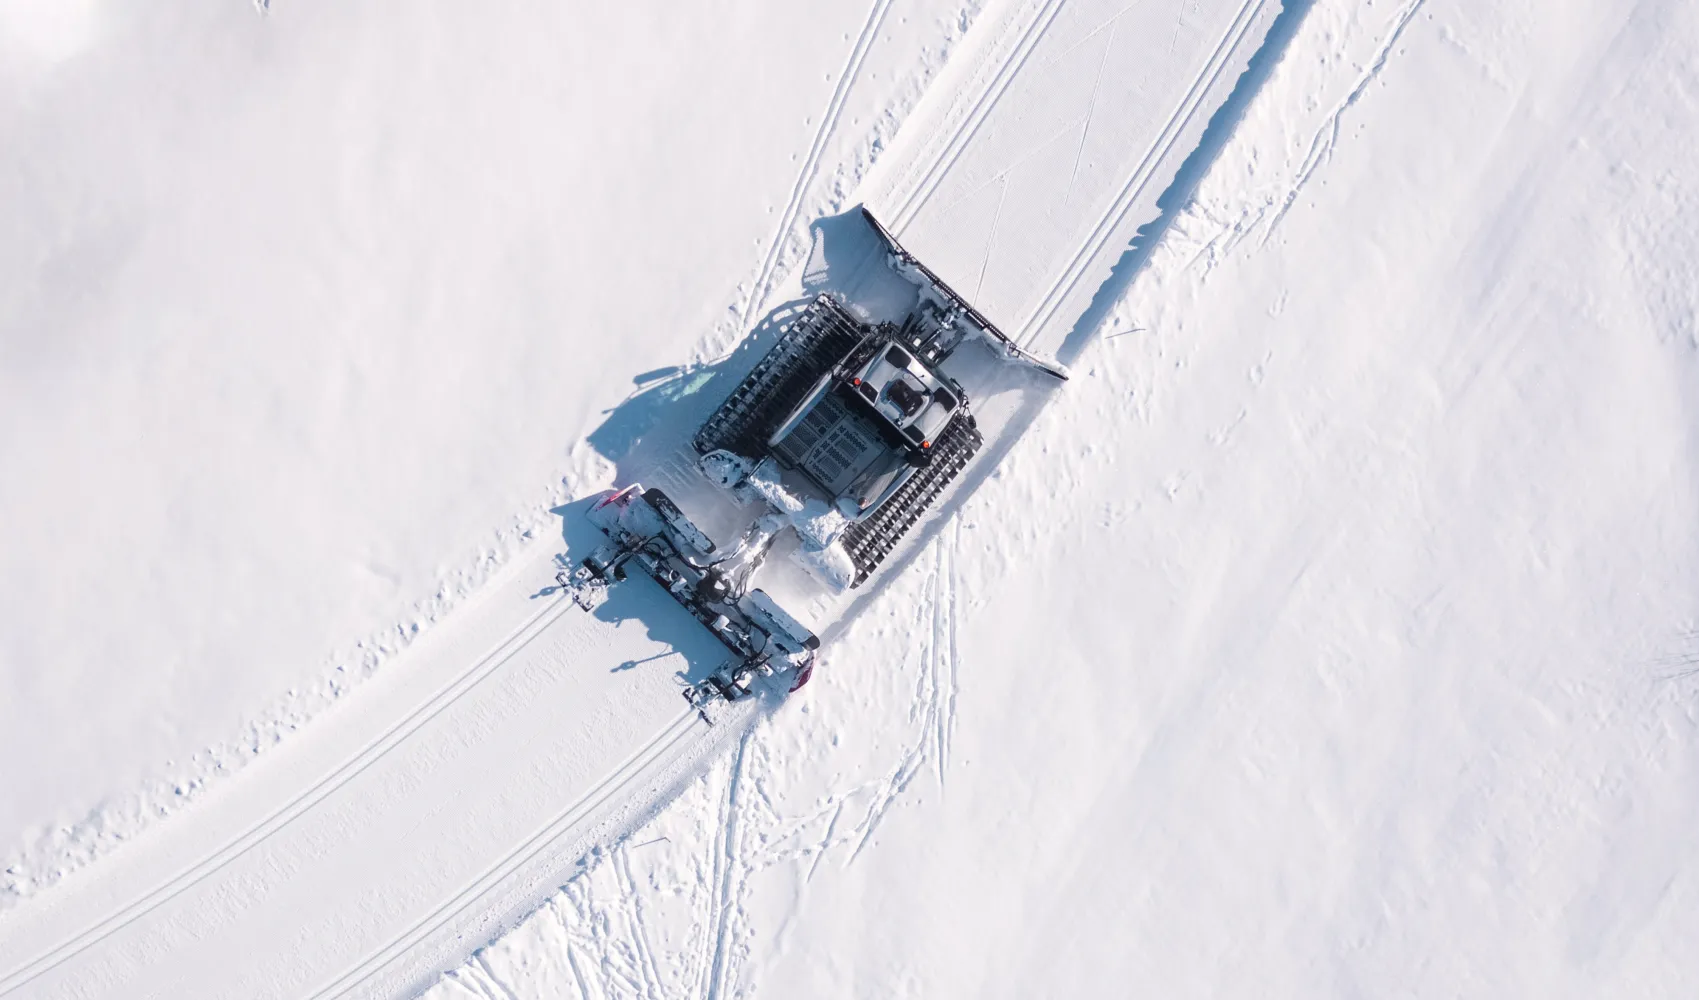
(870, 541)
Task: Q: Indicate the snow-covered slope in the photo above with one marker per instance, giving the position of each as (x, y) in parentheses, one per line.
(311, 313)
(369, 821)
(1332, 634)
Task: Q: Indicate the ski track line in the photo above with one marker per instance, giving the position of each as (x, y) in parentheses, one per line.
(955, 637)
(572, 955)
(1091, 106)
(565, 823)
(578, 974)
(1327, 137)
(935, 696)
(811, 165)
(709, 918)
(895, 784)
(1106, 225)
(577, 895)
(257, 834)
(825, 843)
(725, 869)
(970, 123)
(991, 237)
(467, 982)
(496, 981)
(938, 649)
(1082, 122)
(913, 758)
(651, 970)
(948, 660)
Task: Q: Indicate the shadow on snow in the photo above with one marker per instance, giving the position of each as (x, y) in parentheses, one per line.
(1178, 195)
(647, 436)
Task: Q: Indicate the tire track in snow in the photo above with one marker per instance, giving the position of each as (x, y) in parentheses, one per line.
(564, 824)
(811, 164)
(281, 818)
(1099, 235)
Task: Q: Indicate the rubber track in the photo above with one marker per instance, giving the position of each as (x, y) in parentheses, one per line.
(820, 338)
(870, 541)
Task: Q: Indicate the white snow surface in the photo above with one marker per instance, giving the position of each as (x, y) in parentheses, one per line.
(311, 313)
(1330, 633)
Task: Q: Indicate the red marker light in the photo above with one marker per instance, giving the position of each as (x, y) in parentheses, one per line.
(926, 444)
(855, 381)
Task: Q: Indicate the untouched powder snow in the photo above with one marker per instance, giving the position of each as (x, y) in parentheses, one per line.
(1331, 634)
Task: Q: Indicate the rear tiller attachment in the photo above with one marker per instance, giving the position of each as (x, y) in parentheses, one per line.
(646, 530)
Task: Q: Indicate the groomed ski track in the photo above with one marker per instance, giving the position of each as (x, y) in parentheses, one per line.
(521, 733)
